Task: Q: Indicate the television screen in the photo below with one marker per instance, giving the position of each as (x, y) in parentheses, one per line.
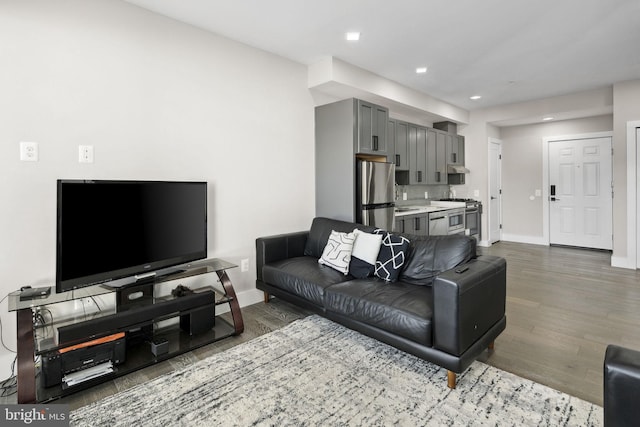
(109, 230)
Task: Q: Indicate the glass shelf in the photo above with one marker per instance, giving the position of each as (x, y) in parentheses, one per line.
(187, 270)
(40, 318)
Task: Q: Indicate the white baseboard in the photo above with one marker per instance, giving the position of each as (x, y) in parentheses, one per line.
(623, 262)
(532, 240)
(250, 297)
(245, 298)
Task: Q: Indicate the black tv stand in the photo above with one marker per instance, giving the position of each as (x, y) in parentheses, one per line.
(196, 325)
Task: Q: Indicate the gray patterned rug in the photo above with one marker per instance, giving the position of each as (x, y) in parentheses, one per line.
(317, 373)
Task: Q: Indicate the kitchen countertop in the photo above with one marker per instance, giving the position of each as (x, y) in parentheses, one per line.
(415, 210)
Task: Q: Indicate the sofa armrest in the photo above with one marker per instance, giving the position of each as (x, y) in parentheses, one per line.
(467, 301)
(275, 248)
(621, 386)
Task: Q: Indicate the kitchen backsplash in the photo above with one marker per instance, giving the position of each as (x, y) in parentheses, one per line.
(416, 193)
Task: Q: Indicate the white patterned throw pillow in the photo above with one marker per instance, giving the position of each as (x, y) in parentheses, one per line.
(337, 252)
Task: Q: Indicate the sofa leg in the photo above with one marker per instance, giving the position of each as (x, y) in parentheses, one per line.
(451, 379)
(266, 297)
(492, 345)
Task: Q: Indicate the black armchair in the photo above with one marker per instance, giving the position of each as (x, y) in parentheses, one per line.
(621, 387)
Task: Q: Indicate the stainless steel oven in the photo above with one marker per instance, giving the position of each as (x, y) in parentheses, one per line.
(456, 220)
(472, 216)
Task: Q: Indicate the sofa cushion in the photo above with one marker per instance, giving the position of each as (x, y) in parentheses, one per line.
(337, 252)
(392, 256)
(431, 255)
(321, 230)
(365, 254)
(398, 308)
(302, 276)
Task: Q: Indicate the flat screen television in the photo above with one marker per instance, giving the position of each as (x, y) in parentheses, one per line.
(112, 231)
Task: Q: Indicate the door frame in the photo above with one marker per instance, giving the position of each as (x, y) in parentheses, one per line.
(633, 201)
(498, 142)
(546, 238)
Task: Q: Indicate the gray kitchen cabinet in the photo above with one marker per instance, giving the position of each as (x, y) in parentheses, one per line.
(398, 132)
(455, 149)
(398, 225)
(340, 129)
(413, 224)
(372, 129)
(436, 157)
(417, 154)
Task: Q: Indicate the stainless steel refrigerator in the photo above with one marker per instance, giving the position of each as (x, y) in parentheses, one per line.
(375, 201)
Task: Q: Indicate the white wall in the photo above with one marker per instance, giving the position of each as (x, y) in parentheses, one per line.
(626, 107)
(491, 122)
(158, 100)
(522, 162)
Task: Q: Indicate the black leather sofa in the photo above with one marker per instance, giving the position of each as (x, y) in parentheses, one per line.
(447, 307)
(621, 387)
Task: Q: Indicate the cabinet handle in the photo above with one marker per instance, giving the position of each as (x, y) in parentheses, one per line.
(375, 143)
(417, 224)
(438, 176)
(419, 176)
(454, 156)
(398, 160)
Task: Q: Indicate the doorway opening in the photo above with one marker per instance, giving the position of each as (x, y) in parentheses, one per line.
(494, 211)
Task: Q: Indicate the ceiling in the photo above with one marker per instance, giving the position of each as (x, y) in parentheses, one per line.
(507, 51)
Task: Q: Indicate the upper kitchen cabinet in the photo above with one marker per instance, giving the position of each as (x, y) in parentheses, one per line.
(455, 149)
(455, 142)
(398, 139)
(436, 157)
(372, 129)
(417, 155)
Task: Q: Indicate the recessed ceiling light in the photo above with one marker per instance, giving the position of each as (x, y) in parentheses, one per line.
(353, 36)
(421, 70)
(475, 97)
(546, 119)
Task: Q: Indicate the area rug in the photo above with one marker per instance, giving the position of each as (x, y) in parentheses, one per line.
(314, 372)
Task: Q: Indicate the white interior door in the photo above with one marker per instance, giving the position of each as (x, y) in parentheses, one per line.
(495, 192)
(580, 193)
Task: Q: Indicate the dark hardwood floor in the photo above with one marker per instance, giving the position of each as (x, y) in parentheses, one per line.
(564, 306)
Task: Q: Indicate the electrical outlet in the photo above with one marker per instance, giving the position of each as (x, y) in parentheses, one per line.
(404, 196)
(29, 151)
(426, 194)
(244, 265)
(85, 153)
(476, 193)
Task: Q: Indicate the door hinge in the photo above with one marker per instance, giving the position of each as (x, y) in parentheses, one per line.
(500, 191)
(499, 156)
(612, 151)
(500, 226)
